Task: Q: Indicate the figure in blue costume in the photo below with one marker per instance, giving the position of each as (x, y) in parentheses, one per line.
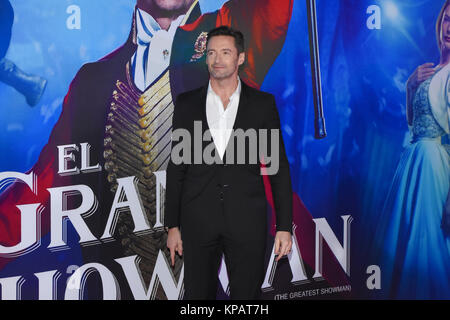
(31, 86)
(413, 234)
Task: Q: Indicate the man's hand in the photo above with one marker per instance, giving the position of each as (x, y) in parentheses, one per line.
(283, 244)
(174, 243)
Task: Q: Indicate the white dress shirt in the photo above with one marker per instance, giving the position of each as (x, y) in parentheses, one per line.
(152, 56)
(221, 120)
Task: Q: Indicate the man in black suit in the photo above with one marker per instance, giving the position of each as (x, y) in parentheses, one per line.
(220, 208)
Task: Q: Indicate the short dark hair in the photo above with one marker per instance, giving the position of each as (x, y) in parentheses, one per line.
(227, 31)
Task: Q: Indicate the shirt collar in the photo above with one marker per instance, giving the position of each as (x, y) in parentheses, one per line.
(146, 25)
(237, 92)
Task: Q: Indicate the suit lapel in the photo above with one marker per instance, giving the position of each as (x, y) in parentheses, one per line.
(241, 118)
(203, 94)
(241, 115)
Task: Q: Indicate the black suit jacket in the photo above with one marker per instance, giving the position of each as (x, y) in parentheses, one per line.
(197, 187)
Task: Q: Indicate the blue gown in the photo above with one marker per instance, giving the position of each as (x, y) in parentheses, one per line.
(415, 255)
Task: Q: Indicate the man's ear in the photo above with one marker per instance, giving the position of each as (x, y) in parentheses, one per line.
(241, 58)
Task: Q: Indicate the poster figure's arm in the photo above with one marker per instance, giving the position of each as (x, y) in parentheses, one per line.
(264, 24)
(420, 74)
(45, 169)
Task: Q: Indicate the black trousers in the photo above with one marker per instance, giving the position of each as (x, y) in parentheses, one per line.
(209, 236)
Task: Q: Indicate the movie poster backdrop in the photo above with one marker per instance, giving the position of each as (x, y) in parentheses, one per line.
(84, 145)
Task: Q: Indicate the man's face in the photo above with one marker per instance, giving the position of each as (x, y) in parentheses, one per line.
(445, 30)
(166, 5)
(222, 57)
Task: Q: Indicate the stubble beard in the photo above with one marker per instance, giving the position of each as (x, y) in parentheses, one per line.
(220, 75)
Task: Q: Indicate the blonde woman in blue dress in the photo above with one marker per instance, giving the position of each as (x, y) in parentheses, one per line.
(414, 233)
